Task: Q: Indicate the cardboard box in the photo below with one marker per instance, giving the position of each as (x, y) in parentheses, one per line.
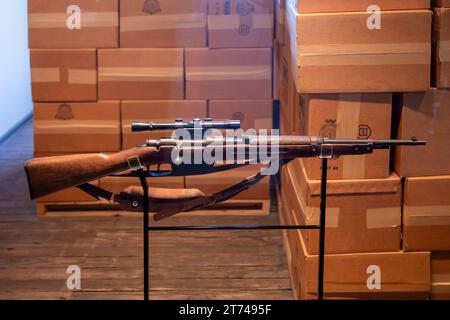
(347, 116)
(73, 24)
(71, 195)
(253, 114)
(311, 6)
(362, 215)
(442, 47)
(441, 3)
(157, 111)
(426, 214)
(77, 127)
(216, 182)
(338, 53)
(163, 24)
(140, 74)
(64, 75)
(228, 74)
(374, 276)
(425, 116)
(240, 24)
(280, 18)
(440, 275)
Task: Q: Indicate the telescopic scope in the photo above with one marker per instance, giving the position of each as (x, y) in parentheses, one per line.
(200, 124)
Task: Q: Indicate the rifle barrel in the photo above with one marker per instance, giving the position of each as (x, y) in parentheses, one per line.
(377, 143)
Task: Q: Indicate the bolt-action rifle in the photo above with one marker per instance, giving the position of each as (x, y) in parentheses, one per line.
(181, 156)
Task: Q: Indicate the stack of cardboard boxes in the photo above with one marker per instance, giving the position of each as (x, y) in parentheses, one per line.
(426, 204)
(99, 65)
(357, 70)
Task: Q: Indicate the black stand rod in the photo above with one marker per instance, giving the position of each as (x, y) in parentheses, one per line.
(323, 209)
(145, 206)
(218, 228)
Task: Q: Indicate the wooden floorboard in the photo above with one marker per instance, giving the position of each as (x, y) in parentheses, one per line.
(35, 252)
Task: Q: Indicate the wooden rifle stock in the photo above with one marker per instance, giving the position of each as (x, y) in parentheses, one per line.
(52, 174)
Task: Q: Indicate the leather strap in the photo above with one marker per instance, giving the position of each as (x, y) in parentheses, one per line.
(169, 202)
(96, 192)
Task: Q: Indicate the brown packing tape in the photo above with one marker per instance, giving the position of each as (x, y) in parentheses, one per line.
(76, 127)
(163, 22)
(426, 215)
(82, 76)
(232, 22)
(365, 54)
(218, 73)
(440, 288)
(45, 75)
(441, 279)
(119, 74)
(444, 51)
(352, 186)
(384, 217)
(348, 120)
(59, 20)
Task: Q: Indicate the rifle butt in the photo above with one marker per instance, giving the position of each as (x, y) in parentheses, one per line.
(52, 174)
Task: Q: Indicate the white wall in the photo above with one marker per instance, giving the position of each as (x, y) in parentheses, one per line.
(15, 91)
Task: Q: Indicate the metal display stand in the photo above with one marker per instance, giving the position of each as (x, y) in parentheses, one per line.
(321, 227)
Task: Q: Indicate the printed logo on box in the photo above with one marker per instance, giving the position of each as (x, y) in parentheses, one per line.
(244, 29)
(328, 130)
(238, 116)
(64, 112)
(364, 132)
(152, 6)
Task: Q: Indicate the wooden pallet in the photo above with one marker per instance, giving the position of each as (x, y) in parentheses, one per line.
(93, 209)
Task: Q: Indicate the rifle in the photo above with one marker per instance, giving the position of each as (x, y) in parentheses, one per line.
(52, 174)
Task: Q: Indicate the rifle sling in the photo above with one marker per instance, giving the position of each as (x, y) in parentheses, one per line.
(96, 192)
(191, 204)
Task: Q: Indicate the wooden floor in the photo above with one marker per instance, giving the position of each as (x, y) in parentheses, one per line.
(35, 253)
